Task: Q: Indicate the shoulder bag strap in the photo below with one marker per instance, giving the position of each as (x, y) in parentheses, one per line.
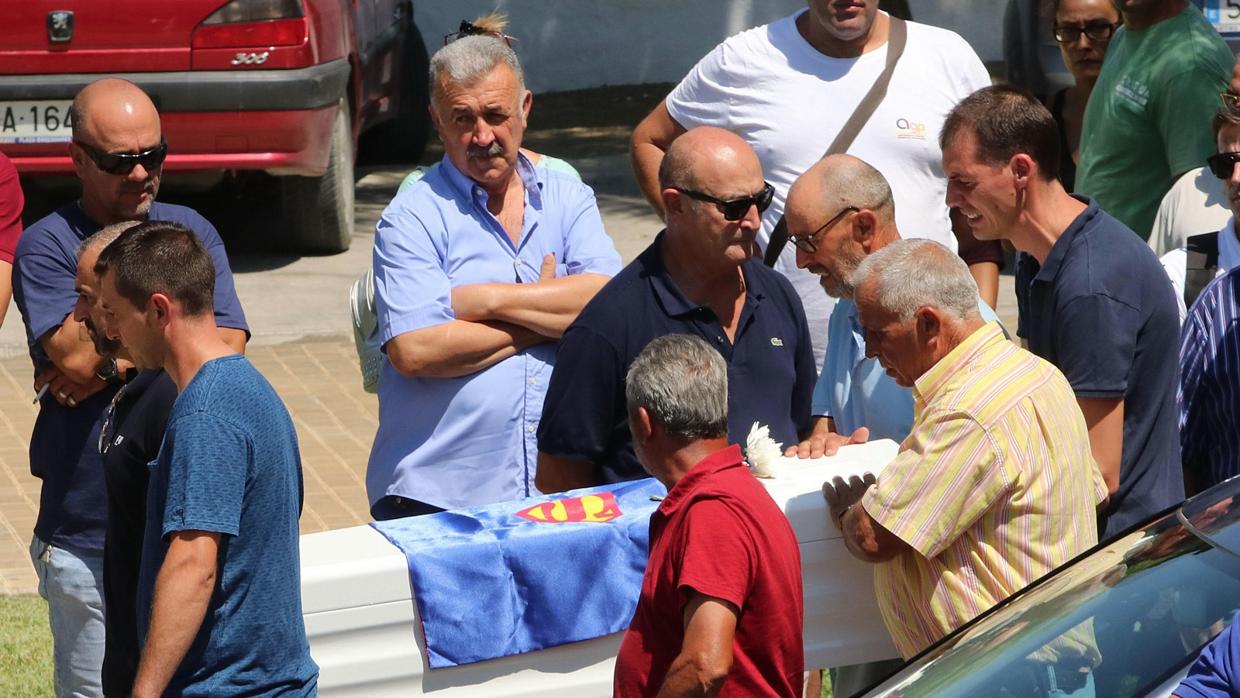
(896, 39)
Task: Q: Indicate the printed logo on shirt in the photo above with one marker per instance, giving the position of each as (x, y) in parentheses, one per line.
(777, 342)
(591, 508)
(1134, 92)
(906, 128)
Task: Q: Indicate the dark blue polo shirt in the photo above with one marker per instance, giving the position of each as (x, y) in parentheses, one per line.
(1102, 310)
(64, 451)
(771, 369)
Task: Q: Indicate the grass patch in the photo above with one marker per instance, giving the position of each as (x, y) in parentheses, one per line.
(25, 647)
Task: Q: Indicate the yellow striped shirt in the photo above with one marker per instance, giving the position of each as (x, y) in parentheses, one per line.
(995, 486)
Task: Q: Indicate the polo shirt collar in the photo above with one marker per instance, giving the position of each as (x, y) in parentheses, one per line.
(933, 380)
(469, 190)
(673, 300)
(682, 493)
(1059, 251)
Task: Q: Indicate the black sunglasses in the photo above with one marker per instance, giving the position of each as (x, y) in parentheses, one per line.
(1223, 164)
(806, 243)
(468, 28)
(123, 163)
(735, 209)
(1096, 31)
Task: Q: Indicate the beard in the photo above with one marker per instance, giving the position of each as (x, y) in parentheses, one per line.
(104, 346)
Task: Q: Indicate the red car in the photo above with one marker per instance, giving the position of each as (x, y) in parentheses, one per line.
(279, 86)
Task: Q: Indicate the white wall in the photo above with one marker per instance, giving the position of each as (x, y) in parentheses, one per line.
(572, 44)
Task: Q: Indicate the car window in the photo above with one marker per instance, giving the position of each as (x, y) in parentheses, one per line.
(1117, 622)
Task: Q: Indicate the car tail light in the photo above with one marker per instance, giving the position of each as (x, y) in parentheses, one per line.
(246, 23)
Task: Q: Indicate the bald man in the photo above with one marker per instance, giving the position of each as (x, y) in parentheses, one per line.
(699, 278)
(118, 153)
(840, 211)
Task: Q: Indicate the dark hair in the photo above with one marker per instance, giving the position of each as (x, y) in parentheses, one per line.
(1006, 120)
(161, 257)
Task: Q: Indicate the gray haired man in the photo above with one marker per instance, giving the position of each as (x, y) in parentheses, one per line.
(718, 543)
(467, 315)
(989, 414)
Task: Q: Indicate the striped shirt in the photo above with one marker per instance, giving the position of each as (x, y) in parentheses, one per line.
(994, 487)
(1209, 394)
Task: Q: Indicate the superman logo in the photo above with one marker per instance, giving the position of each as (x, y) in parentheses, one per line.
(593, 508)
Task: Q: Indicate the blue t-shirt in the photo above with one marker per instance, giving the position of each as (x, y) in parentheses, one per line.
(64, 444)
(771, 369)
(1216, 673)
(229, 464)
(1102, 310)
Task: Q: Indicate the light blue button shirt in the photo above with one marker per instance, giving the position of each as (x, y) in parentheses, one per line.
(456, 442)
(856, 391)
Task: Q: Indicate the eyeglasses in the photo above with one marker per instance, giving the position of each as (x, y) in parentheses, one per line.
(1096, 31)
(1223, 164)
(1230, 100)
(468, 28)
(735, 209)
(106, 427)
(123, 163)
(806, 242)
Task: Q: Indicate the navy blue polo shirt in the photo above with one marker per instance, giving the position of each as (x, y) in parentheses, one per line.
(771, 371)
(1102, 310)
(64, 451)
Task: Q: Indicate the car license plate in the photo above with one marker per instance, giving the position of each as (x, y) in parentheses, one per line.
(35, 122)
(1223, 14)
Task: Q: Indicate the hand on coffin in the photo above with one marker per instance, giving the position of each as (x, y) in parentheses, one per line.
(842, 494)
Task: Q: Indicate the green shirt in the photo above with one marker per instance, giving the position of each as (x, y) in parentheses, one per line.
(1148, 119)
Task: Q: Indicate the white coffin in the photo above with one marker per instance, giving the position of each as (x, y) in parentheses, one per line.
(365, 636)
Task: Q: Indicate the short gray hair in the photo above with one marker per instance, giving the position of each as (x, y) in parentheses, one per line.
(683, 383)
(851, 181)
(915, 273)
(104, 236)
(469, 59)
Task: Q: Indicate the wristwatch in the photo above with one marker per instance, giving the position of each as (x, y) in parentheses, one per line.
(107, 371)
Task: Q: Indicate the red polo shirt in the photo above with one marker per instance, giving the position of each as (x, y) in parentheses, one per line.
(719, 533)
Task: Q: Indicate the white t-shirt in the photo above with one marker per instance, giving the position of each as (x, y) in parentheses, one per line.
(1195, 204)
(789, 101)
(1175, 262)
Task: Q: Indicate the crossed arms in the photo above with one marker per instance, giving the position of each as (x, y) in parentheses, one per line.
(492, 322)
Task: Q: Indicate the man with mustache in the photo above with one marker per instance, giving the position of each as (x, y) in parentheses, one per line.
(118, 152)
(130, 434)
(478, 269)
(789, 87)
(698, 277)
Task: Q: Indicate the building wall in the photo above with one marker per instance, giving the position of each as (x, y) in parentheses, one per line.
(573, 44)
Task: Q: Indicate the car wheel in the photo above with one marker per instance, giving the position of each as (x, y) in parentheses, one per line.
(318, 211)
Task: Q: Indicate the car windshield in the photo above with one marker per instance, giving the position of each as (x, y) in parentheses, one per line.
(1117, 622)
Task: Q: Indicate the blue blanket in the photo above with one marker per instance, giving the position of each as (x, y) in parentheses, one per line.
(526, 575)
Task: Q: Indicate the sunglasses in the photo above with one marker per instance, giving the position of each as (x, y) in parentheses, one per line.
(806, 242)
(1230, 100)
(1223, 164)
(123, 163)
(735, 209)
(1096, 31)
(468, 28)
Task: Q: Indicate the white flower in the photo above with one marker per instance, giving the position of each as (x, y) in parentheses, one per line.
(765, 456)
